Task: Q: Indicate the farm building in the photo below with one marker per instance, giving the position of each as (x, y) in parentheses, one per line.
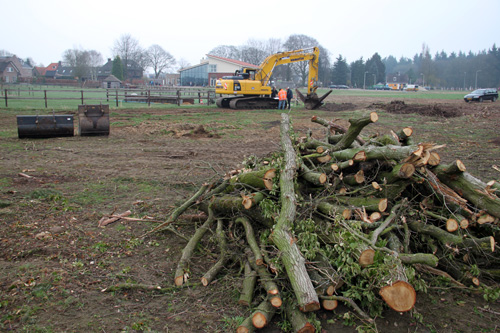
(111, 82)
(209, 70)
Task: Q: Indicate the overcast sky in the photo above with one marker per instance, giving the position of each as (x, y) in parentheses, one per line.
(189, 29)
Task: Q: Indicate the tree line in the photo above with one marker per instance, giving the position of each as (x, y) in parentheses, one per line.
(441, 71)
(448, 71)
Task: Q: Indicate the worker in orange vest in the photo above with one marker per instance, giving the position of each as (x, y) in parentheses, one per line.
(282, 99)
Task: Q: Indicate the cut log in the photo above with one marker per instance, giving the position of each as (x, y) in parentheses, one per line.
(385, 153)
(471, 188)
(400, 296)
(262, 316)
(293, 261)
(299, 321)
(366, 257)
(354, 129)
(341, 165)
(315, 178)
(474, 244)
(267, 280)
(329, 304)
(434, 159)
(246, 326)
(400, 171)
(224, 256)
(371, 204)
(324, 159)
(181, 273)
(260, 179)
(483, 218)
(335, 127)
(451, 225)
(252, 242)
(356, 179)
(251, 200)
(248, 286)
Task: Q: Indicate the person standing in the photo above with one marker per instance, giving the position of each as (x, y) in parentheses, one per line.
(274, 92)
(282, 99)
(289, 96)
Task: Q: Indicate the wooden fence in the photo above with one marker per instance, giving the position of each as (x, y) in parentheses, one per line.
(170, 95)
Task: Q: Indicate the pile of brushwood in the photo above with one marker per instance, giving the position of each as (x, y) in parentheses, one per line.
(358, 220)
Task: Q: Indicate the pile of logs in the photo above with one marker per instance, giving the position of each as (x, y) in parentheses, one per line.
(345, 218)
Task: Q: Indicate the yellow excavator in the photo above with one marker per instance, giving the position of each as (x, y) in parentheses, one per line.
(249, 87)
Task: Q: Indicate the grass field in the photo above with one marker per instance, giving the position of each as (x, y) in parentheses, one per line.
(68, 98)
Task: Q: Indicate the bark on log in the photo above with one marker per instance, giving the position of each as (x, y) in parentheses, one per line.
(224, 256)
(299, 321)
(353, 131)
(248, 286)
(471, 188)
(400, 171)
(267, 280)
(335, 127)
(315, 178)
(261, 179)
(370, 204)
(228, 205)
(474, 244)
(291, 257)
(181, 273)
(262, 316)
(246, 326)
(252, 242)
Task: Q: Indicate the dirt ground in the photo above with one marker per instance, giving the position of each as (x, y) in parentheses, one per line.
(56, 263)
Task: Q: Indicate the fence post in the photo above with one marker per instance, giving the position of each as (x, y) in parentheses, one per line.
(6, 103)
(45, 94)
(82, 98)
(116, 97)
(149, 97)
(107, 95)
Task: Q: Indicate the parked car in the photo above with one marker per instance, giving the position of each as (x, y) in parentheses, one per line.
(480, 95)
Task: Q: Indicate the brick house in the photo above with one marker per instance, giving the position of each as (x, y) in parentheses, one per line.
(9, 71)
(131, 69)
(24, 67)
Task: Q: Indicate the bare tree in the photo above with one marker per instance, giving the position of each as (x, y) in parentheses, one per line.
(159, 59)
(95, 61)
(298, 42)
(128, 49)
(183, 63)
(85, 63)
(226, 51)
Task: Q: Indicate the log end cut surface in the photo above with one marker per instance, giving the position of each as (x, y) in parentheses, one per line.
(400, 296)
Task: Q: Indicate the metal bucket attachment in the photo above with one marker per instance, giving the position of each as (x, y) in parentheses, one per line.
(93, 119)
(312, 101)
(44, 126)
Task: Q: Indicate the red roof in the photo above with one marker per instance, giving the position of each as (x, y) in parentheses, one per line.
(52, 67)
(41, 70)
(237, 62)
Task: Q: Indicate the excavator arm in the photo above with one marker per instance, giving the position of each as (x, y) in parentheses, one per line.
(265, 70)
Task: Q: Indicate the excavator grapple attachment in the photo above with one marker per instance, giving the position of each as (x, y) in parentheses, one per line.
(93, 119)
(312, 101)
